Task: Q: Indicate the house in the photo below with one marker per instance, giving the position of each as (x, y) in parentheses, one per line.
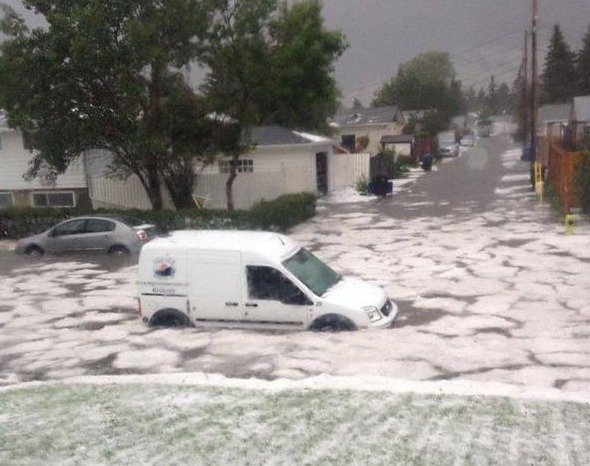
(362, 130)
(67, 190)
(553, 119)
(282, 162)
(580, 120)
(401, 145)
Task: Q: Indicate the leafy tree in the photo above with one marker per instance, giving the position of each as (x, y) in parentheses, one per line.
(425, 82)
(492, 97)
(101, 76)
(559, 72)
(583, 66)
(482, 99)
(504, 98)
(302, 92)
(270, 64)
(357, 104)
(471, 99)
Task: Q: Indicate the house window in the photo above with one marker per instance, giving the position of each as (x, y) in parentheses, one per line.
(54, 199)
(6, 200)
(243, 166)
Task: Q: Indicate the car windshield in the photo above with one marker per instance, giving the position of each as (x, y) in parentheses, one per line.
(312, 272)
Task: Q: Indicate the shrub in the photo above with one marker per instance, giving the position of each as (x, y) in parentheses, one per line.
(282, 213)
(362, 185)
(399, 169)
(278, 215)
(407, 160)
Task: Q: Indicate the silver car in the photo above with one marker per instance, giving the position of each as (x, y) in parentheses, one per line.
(110, 234)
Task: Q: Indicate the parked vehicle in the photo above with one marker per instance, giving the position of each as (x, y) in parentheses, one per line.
(253, 279)
(447, 147)
(110, 234)
(468, 140)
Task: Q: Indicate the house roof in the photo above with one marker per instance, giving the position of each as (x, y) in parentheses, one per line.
(367, 116)
(276, 136)
(403, 139)
(582, 108)
(554, 112)
(413, 114)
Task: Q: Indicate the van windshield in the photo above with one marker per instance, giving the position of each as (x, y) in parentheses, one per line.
(314, 274)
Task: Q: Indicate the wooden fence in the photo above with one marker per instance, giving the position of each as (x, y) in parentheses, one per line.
(563, 169)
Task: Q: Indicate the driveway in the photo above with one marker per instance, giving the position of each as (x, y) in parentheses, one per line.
(489, 286)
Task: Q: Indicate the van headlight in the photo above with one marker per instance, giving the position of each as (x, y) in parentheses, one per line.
(372, 313)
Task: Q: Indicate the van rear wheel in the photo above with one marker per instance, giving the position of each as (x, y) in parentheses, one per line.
(170, 318)
(332, 323)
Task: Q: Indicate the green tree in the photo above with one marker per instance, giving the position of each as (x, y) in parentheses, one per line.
(302, 92)
(357, 104)
(492, 97)
(559, 72)
(270, 63)
(583, 66)
(101, 76)
(425, 82)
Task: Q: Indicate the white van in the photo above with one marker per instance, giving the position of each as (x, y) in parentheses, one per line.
(254, 279)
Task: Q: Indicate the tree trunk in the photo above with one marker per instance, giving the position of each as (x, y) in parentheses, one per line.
(151, 183)
(229, 184)
(181, 188)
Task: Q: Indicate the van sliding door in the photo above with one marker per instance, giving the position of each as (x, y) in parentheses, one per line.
(215, 286)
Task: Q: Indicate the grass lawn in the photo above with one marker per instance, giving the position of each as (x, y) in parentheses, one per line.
(141, 424)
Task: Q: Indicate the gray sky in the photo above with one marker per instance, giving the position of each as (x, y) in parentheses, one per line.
(483, 36)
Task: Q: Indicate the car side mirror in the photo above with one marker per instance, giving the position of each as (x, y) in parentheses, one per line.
(51, 233)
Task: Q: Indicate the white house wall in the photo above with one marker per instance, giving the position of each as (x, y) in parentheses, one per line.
(278, 170)
(14, 163)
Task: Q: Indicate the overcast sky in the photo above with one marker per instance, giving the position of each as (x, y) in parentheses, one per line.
(483, 36)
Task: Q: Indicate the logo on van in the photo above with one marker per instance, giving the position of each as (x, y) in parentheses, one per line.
(164, 267)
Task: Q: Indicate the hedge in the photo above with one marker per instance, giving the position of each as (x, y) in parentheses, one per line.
(277, 215)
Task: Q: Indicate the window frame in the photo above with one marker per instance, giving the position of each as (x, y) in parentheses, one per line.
(9, 193)
(112, 225)
(243, 165)
(279, 298)
(81, 232)
(49, 193)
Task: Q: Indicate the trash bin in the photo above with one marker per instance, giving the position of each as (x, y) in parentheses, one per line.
(427, 162)
(380, 186)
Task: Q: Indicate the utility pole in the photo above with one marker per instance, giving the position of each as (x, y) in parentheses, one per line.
(525, 87)
(534, 80)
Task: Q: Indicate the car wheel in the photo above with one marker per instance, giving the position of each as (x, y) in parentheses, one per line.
(118, 251)
(34, 251)
(170, 318)
(332, 323)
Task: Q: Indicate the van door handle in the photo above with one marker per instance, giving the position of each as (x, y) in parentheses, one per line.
(251, 305)
(231, 304)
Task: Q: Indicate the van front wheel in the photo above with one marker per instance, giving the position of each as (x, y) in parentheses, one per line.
(332, 323)
(170, 318)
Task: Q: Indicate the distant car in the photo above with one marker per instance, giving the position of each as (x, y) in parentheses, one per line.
(448, 149)
(114, 235)
(468, 140)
